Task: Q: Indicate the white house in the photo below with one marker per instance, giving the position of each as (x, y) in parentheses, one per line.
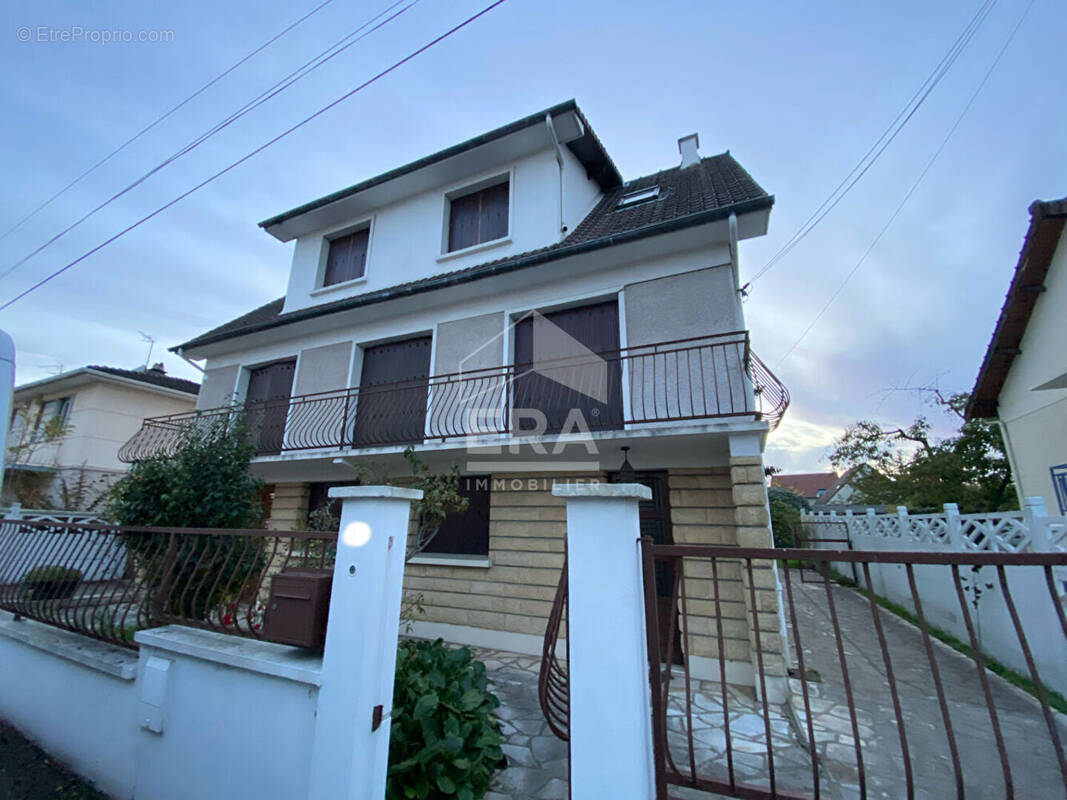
(100, 408)
(1023, 378)
(511, 305)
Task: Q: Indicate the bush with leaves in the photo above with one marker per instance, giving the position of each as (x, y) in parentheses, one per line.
(440, 497)
(205, 483)
(445, 741)
(786, 507)
(51, 582)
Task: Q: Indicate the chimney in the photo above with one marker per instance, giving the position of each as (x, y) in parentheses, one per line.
(687, 146)
(158, 367)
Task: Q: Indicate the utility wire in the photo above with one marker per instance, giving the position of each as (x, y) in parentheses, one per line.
(160, 119)
(300, 72)
(261, 148)
(882, 143)
(914, 186)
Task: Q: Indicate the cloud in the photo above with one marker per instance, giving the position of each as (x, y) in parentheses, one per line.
(799, 445)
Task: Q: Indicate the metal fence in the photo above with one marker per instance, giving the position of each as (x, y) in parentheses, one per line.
(553, 686)
(948, 727)
(688, 379)
(108, 581)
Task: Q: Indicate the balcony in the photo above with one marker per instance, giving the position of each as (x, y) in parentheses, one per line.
(688, 380)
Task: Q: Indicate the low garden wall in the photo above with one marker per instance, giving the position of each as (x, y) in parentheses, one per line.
(183, 712)
(186, 716)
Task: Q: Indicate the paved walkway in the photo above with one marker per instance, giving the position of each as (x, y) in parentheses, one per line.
(538, 761)
(1034, 769)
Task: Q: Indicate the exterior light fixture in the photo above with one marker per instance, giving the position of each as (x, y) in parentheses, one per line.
(626, 473)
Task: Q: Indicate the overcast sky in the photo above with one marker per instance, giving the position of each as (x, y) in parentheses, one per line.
(796, 91)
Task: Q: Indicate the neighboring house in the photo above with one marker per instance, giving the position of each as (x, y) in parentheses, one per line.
(842, 491)
(812, 486)
(1023, 378)
(488, 304)
(100, 408)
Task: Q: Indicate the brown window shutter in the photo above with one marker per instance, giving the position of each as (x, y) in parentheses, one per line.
(347, 258)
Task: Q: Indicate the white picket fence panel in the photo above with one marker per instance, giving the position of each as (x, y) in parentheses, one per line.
(1006, 532)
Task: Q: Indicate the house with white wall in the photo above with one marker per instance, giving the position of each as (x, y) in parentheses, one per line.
(511, 305)
(1023, 378)
(100, 408)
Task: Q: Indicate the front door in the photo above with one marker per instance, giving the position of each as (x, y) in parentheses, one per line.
(655, 521)
(391, 406)
(554, 378)
(267, 404)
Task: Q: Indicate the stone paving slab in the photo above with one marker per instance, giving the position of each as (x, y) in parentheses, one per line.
(1031, 758)
(538, 760)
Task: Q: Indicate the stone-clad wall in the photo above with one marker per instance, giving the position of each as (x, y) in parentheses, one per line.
(752, 519)
(514, 594)
(724, 505)
(702, 512)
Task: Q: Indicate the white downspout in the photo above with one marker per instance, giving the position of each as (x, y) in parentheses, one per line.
(559, 162)
(735, 254)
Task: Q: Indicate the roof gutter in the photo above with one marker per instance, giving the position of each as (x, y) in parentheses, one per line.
(491, 270)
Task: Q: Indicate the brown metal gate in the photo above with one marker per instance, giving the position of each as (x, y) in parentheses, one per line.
(952, 758)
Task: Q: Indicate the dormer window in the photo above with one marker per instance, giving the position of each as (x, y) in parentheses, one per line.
(478, 216)
(640, 196)
(347, 258)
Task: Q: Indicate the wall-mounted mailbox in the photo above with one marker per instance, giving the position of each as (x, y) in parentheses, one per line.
(298, 607)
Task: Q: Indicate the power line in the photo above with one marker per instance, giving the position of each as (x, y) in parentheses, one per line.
(914, 186)
(882, 143)
(164, 116)
(254, 152)
(300, 72)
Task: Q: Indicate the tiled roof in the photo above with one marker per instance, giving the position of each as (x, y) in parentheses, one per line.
(154, 377)
(1047, 220)
(806, 484)
(710, 190)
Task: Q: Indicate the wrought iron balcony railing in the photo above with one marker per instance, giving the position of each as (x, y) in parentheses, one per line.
(701, 378)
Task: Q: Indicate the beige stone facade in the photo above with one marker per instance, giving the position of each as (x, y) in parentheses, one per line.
(719, 505)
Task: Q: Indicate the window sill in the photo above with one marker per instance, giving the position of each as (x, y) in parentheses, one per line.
(445, 560)
(474, 248)
(333, 287)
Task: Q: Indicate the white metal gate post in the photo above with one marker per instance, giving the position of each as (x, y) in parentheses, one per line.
(610, 697)
(350, 753)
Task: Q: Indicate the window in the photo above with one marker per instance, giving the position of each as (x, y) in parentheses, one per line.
(640, 196)
(53, 416)
(466, 534)
(478, 217)
(347, 258)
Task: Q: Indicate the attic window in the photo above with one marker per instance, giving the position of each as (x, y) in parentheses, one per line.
(347, 258)
(640, 196)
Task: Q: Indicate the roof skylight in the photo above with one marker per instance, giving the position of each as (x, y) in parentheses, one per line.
(640, 196)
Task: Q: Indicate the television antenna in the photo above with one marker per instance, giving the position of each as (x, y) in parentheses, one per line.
(151, 342)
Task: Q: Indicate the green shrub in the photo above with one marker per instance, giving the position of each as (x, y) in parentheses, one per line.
(51, 582)
(786, 507)
(445, 741)
(205, 482)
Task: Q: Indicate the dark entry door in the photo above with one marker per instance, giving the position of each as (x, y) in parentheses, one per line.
(391, 408)
(591, 385)
(655, 520)
(267, 401)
